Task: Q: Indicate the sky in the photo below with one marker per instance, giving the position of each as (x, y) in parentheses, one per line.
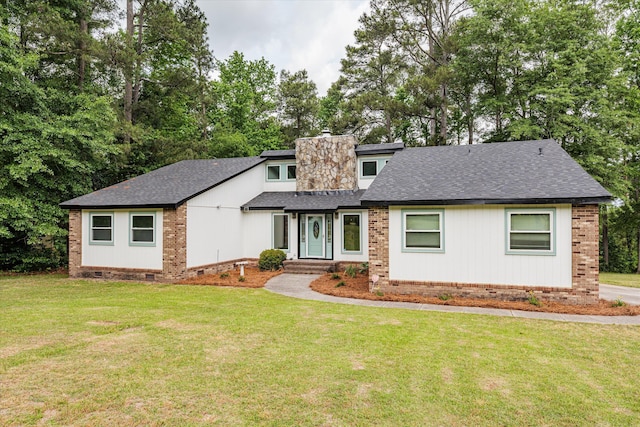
(290, 34)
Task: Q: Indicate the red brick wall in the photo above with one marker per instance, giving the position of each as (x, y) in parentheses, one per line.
(585, 258)
(174, 243)
(379, 244)
(75, 242)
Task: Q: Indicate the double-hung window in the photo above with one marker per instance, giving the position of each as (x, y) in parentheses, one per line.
(423, 231)
(530, 231)
(101, 228)
(142, 231)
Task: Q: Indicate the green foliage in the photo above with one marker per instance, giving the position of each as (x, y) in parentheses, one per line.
(241, 279)
(340, 284)
(271, 259)
(298, 105)
(618, 303)
(224, 275)
(335, 276)
(363, 268)
(351, 271)
(445, 297)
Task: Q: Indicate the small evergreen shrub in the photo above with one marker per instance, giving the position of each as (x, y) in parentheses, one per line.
(271, 259)
(533, 300)
(340, 284)
(364, 268)
(224, 275)
(241, 279)
(335, 276)
(351, 271)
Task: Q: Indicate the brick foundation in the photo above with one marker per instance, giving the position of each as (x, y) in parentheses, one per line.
(585, 279)
(219, 267)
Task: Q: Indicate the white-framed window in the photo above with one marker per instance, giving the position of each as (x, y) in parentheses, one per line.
(273, 172)
(281, 172)
(423, 230)
(371, 167)
(291, 172)
(351, 232)
(101, 225)
(530, 231)
(142, 228)
(280, 231)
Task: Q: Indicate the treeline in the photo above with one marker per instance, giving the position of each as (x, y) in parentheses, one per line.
(91, 94)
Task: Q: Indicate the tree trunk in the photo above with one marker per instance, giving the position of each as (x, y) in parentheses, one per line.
(82, 49)
(443, 115)
(128, 74)
(605, 237)
(638, 269)
(387, 118)
(469, 118)
(139, 42)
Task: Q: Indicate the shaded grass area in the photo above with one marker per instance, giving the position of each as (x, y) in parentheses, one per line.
(619, 279)
(104, 353)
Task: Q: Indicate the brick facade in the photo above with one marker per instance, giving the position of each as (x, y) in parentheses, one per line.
(379, 245)
(585, 258)
(174, 243)
(75, 242)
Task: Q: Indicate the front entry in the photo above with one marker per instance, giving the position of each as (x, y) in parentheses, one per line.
(315, 236)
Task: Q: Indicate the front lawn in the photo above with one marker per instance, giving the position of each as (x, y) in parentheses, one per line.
(105, 353)
(618, 279)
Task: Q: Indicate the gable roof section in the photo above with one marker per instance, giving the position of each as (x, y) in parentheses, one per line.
(308, 201)
(499, 173)
(169, 186)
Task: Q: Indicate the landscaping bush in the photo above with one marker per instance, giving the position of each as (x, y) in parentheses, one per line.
(271, 259)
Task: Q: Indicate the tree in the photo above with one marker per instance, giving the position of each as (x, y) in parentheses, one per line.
(298, 105)
(245, 104)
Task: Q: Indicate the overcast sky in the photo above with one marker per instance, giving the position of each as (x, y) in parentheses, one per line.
(290, 34)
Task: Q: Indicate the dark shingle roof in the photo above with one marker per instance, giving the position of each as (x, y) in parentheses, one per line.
(508, 172)
(278, 154)
(168, 186)
(311, 201)
(370, 149)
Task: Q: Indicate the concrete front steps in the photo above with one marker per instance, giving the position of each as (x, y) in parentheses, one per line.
(310, 266)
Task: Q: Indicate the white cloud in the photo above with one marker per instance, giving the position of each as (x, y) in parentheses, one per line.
(291, 34)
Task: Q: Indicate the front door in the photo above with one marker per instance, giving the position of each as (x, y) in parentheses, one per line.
(315, 236)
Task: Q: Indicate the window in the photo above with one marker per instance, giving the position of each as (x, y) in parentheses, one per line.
(530, 231)
(423, 231)
(101, 228)
(370, 168)
(291, 172)
(351, 237)
(281, 231)
(142, 229)
(273, 173)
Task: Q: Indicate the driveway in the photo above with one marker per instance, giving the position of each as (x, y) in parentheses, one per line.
(628, 295)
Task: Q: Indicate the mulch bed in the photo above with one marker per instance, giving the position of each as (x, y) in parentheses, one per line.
(253, 278)
(358, 287)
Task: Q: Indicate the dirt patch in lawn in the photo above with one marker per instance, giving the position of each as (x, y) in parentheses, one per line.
(358, 287)
(253, 278)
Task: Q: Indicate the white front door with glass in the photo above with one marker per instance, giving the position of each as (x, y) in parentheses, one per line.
(315, 236)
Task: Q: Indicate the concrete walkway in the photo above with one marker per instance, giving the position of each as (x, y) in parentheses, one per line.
(297, 286)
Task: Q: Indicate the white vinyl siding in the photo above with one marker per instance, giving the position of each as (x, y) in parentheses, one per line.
(474, 239)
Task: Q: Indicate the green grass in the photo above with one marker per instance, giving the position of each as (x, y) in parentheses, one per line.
(618, 279)
(104, 353)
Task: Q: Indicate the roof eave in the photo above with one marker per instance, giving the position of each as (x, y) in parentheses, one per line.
(120, 206)
(539, 201)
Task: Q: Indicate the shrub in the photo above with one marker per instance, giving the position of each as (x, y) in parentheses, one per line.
(351, 271)
(533, 300)
(618, 303)
(340, 284)
(445, 297)
(241, 279)
(271, 259)
(364, 268)
(224, 275)
(335, 276)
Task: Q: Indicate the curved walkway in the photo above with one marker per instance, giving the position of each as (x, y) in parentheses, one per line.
(297, 286)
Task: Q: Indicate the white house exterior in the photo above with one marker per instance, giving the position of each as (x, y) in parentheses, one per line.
(495, 220)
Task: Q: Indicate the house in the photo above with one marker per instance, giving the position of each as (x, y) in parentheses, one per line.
(491, 220)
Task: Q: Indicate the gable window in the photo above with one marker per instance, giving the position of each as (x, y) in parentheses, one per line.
(273, 173)
(291, 172)
(370, 168)
(280, 229)
(101, 229)
(530, 231)
(423, 231)
(142, 229)
(351, 233)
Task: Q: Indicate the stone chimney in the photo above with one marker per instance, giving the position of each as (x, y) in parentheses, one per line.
(326, 162)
